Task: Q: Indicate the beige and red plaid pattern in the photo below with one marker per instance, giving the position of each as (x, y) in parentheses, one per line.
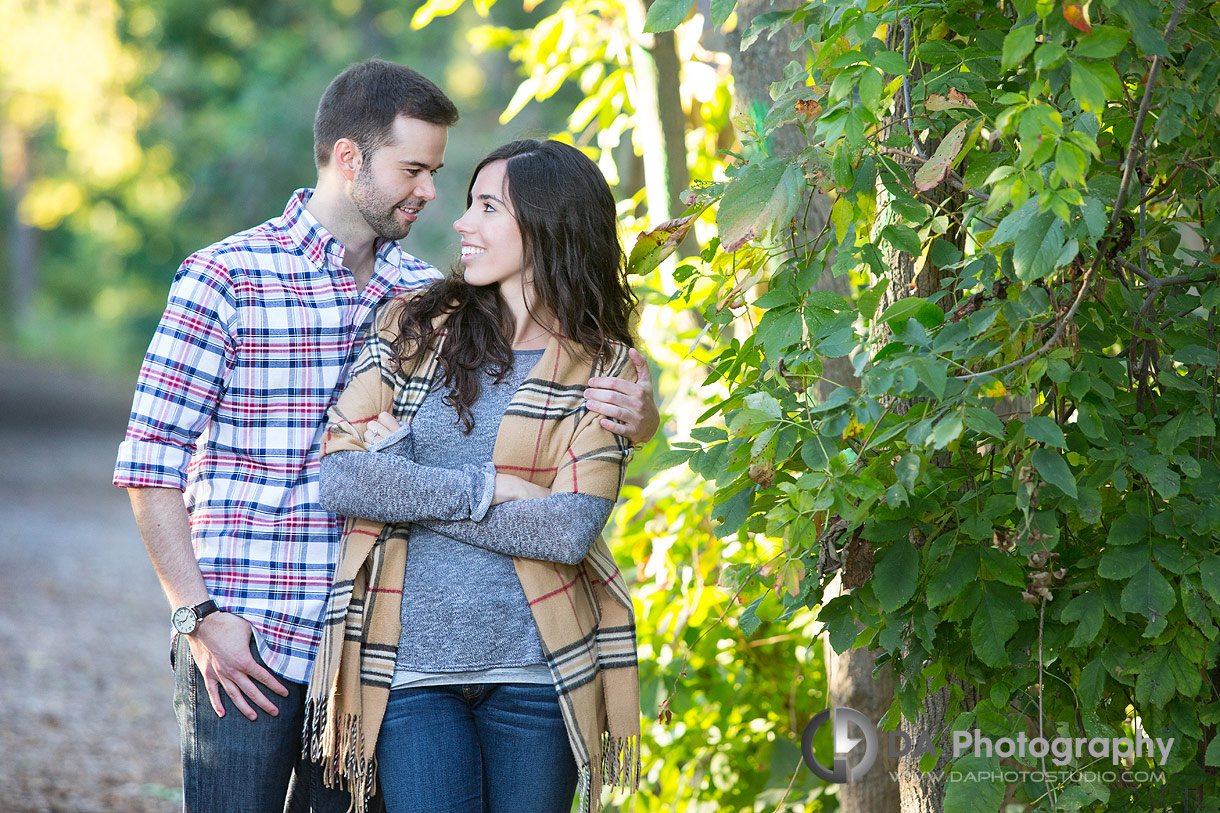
(583, 612)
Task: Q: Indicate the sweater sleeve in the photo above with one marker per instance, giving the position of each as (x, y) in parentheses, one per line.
(559, 528)
(386, 487)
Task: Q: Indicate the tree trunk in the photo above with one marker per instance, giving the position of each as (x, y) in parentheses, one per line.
(851, 674)
(659, 121)
(851, 684)
(920, 792)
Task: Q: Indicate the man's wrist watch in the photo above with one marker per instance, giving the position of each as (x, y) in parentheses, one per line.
(186, 619)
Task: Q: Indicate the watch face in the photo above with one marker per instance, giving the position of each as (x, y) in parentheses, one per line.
(185, 620)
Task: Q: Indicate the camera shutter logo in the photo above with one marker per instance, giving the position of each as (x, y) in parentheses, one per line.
(844, 718)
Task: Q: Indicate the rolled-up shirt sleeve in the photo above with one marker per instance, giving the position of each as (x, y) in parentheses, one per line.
(183, 377)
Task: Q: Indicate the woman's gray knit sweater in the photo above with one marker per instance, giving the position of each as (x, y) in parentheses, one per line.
(463, 609)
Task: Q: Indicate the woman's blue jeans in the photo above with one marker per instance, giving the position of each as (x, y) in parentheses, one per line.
(477, 748)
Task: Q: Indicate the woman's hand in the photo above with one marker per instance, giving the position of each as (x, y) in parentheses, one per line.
(380, 428)
(510, 487)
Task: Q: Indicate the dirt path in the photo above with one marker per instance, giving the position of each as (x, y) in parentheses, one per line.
(86, 722)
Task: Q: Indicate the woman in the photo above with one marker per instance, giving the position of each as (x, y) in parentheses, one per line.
(504, 674)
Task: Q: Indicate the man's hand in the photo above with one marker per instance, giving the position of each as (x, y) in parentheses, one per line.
(628, 407)
(511, 487)
(221, 649)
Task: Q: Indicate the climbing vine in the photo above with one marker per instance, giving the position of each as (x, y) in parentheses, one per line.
(1019, 483)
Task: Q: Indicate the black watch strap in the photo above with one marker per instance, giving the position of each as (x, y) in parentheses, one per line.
(205, 609)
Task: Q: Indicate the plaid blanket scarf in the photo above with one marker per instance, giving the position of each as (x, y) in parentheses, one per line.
(583, 613)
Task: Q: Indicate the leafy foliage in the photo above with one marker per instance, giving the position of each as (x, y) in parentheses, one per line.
(1029, 453)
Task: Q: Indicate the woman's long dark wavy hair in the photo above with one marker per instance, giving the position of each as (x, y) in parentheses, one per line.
(571, 247)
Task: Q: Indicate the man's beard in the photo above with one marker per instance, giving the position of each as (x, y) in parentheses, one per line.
(381, 215)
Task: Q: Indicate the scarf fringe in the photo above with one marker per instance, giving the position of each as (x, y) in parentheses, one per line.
(342, 767)
(619, 766)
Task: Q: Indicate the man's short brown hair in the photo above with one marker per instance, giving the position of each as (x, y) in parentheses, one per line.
(362, 103)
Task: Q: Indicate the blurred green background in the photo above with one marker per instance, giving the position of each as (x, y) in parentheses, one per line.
(137, 132)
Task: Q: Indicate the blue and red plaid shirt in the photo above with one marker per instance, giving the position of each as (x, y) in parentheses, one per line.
(255, 344)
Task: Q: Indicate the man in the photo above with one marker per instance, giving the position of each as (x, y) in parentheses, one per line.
(255, 343)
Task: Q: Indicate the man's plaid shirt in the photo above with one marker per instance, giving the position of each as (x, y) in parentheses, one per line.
(255, 344)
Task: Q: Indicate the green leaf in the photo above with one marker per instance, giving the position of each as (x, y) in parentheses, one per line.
(666, 15)
(896, 576)
(1150, 595)
(1019, 221)
(1129, 529)
(1156, 683)
(720, 11)
(1001, 567)
(1105, 41)
(870, 87)
(779, 330)
(1185, 674)
(1093, 84)
(1121, 563)
(1092, 682)
(765, 195)
(933, 374)
(1196, 354)
(767, 24)
(985, 422)
(1174, 558)
(952, 577)
(836, 614)
(979, 787)
(913, 307)
(842, 216)
(1142, 21)
(907, 470)
(748, 622)
(994, 623)
(1087, 611)
(1196, 609)
(733, 512)
(936, 168)
(902, 238)
(891, 62)
(1049, 55)
(1071, 162)
(869, 300)
(1209, 574)
(1212, 757)
(1043, 429)
(1035, 252)
(946, 431)
(1018, 44)
(1054, 470)
(1088, 504)
(669, 458)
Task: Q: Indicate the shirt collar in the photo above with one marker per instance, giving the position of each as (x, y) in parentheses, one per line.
(306, 233)
(316, 242)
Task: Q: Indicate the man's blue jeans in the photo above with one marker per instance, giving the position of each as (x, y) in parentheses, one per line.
(232, 764)
(478, 748)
